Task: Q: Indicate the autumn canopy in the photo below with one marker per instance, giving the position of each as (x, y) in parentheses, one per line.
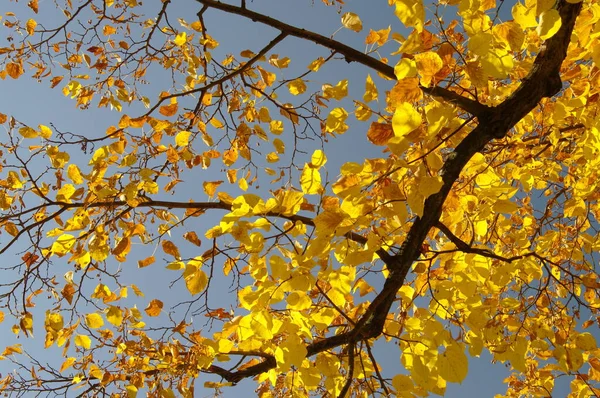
(212, 232)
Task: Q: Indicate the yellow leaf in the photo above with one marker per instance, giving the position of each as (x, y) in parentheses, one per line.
(524, 16)
(182, 138)
(297, 86)
(210, 187)
(114, 315)
(196, 280)
(94, 320)
(550, 23)
(65, 192)
(511, 33)
(298, 301)
(411, 13)
(351, 21)
(480, 43)
(279, 145)
(403, 383)
(30, 26)
(67, 364)
(428, 64)
(310, 180)
(316, 64)
(429, 185)
(137, 291)
(498, 63)
(280, 63)
(318, 159)
(55, 80)
(225, 345)
(585, 341)
(380, 36)
(26, 324)
(84, 341)
(230, 156)
(453, 364)
(371, 93)
(180, 39)
(405, 119)
(154, 308)
(63, 244)
(335, 122)
(276, 127)
(28, 132)
(291, 352)
(290, 201)
(109, 30)
(339, 91)
(45, 131)
(243, 184)
(13, 349)
(405, 68)
(327, 221)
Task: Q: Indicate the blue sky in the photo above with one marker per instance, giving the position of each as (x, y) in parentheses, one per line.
(34, 103)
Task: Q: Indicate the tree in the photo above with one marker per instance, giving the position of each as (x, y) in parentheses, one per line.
(475, 229)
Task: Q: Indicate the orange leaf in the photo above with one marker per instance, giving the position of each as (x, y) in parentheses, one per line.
(210, 187)
(154, 308)
(380, 133)
(123, 247)
(14, 70)
(406, 90)
(146, 262)
(192, 237)
(168, 110)
(170, 248)
(55, 80)
(33, 4)
(68, 292)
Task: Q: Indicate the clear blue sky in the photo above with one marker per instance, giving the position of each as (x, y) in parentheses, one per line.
(34, 103)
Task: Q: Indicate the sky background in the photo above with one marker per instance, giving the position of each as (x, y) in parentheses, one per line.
(34, 103)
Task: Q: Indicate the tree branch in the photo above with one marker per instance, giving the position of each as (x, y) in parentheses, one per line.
(220, 205)
(351, 54)
(494, 123)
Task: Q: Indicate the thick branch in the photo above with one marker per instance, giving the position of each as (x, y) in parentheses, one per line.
(494, 123)
(351, 54)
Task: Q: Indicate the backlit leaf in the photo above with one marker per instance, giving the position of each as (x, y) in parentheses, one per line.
(550, 23)
(94, 320)
(453, 364)
(30, 26)
(352, 21)
(405, 120)
(83, 341)
(180, 39)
